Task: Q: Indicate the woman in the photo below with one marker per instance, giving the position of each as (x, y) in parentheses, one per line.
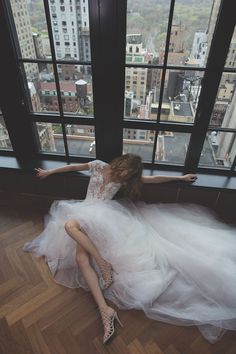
(176, 263)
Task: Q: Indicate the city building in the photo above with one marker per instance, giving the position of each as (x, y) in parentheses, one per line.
(136, 78)
(199, 49)
(72, 99)
(35, 100)
(46, 137)
(70, 24)
(24, 31)
(4, 137)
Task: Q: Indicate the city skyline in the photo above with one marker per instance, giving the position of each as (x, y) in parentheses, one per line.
(70, 25)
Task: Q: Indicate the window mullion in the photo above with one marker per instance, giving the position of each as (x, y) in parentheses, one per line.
(108, 38)
(20, 128)
(50, 34)
(214, 68)
(163, 75)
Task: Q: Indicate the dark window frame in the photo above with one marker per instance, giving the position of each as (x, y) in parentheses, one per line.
(108, 53)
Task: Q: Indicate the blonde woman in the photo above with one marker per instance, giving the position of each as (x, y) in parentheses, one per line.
(176, 263)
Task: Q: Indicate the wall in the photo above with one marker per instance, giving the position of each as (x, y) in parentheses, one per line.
(19, 188)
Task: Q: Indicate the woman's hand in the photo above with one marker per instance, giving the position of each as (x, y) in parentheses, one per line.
(189, 178)
(42, 173)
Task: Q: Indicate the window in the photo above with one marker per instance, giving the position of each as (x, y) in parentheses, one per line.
(170, 93)
(5, 143)
(177, 111)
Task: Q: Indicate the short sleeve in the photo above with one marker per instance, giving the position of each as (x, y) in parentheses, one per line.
(95, 164)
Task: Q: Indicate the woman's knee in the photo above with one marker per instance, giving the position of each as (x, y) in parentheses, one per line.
(82, 258)
(71, 224)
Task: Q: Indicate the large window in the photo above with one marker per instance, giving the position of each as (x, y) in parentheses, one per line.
(57, 73)
(96, 79)
(167, 48)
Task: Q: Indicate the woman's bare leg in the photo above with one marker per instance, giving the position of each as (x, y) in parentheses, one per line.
(82, 259)
(72, 227)
(90, 276)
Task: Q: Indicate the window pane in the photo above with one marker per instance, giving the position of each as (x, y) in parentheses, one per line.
(231, 58)
(219, 150)
(50, 138)
(138, 142)
(181, 95)
(171, 147)
(31, 27)
(147, 23)
(191, 33)
(224, 111)
(81, 140)
(76, 89)
(142, 89)
(5, 143)
(42, 89)
(70, 26)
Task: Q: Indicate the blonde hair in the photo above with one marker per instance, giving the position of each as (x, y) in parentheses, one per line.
(127, 169)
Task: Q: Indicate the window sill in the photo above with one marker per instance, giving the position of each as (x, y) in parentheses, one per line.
(215, 182)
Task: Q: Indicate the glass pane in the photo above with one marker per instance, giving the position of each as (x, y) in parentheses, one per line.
(219, 150)
(81, 140)
(180, 97)
(224, 111)
(231, 58)
(138, 142)
(5, 143)
(142, 89)
(50, 138)
(147, 23)
(31, 28)
(42, 89)
(70, 26)
(76, 89)
(172, 147)
(191, 33)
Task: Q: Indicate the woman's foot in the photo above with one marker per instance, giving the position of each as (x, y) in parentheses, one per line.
(107, 273)
(109, 315)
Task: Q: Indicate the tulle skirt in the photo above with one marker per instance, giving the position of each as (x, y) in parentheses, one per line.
(175, 262)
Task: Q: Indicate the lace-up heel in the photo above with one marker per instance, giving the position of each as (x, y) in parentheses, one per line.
(108, 323)
(107, 274)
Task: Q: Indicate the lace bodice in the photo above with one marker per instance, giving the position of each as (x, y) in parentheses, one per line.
(97, 188)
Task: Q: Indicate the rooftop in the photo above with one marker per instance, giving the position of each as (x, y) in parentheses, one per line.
(183, 109)
(175, 149)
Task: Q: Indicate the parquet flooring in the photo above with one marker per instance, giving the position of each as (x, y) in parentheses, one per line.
(37, 316)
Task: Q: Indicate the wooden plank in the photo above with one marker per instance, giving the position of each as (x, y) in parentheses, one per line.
(37, 341)
(7, 342)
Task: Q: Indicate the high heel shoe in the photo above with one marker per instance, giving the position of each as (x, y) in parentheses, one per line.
(108, 323)
(107, 274)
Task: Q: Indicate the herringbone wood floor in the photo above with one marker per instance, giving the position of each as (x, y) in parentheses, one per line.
(38, 316)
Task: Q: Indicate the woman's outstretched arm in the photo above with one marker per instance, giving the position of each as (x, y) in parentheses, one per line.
(77, 167)
(161, 179)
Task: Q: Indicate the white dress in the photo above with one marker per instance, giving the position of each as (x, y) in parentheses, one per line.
(177, 263)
